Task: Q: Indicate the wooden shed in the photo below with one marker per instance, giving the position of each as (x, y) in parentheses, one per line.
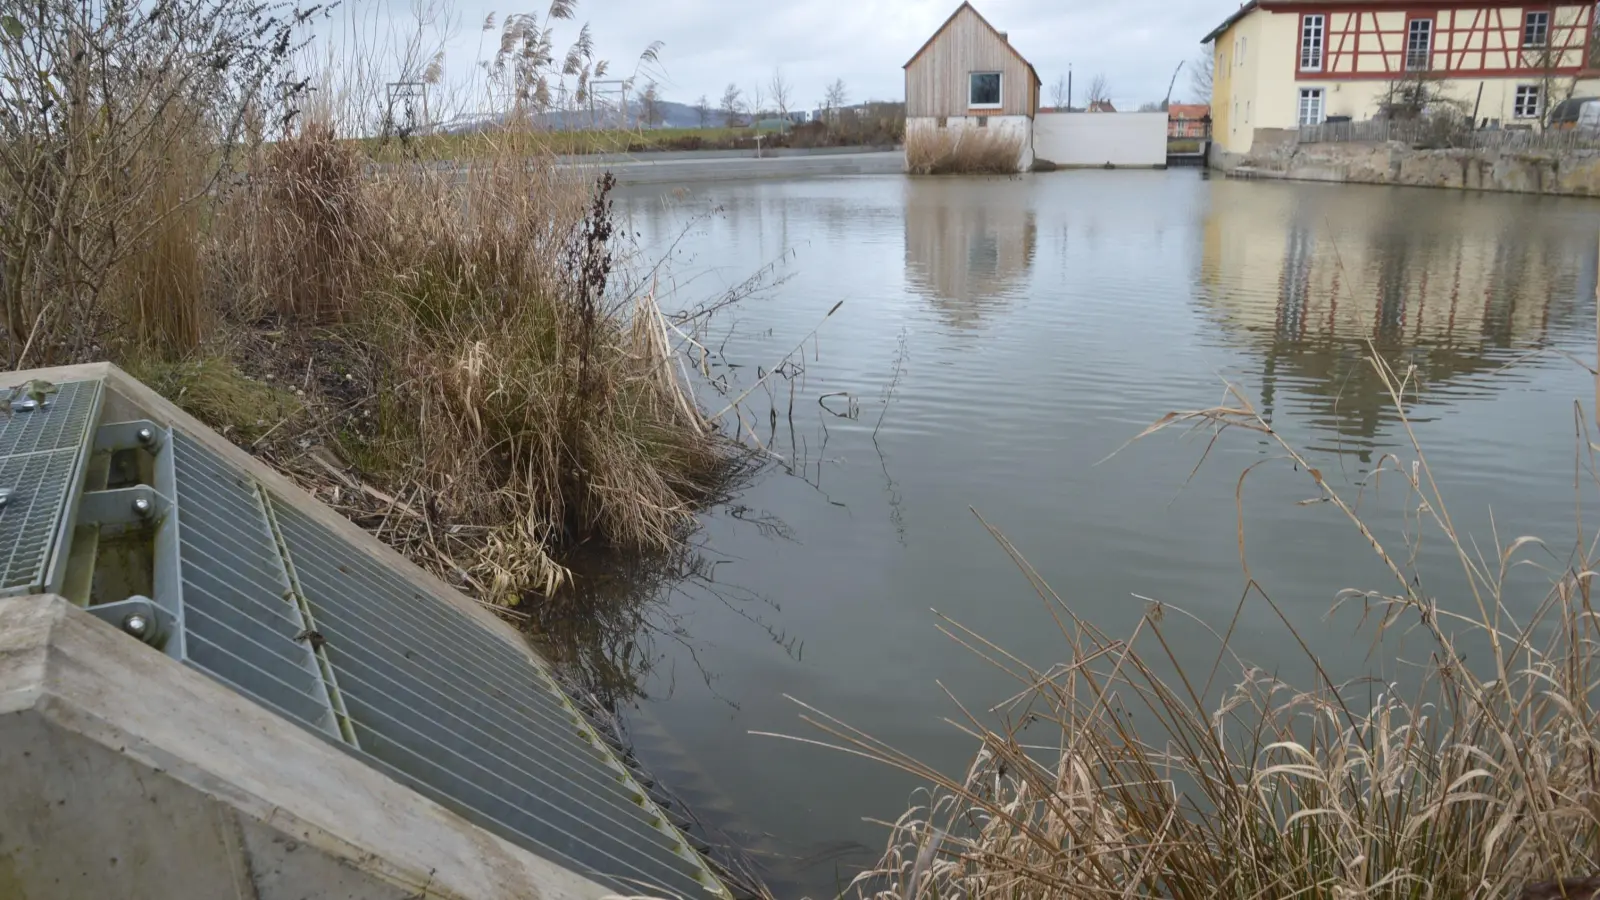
(954, 72)
(968, 75)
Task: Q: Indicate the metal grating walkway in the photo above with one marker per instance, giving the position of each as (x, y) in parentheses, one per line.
(288, 612)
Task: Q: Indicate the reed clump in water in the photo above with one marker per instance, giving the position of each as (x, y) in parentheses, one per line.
(963, 151)
(1480, 779)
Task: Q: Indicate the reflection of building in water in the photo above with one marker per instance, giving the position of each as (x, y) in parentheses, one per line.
(1453, 284)
(969, 245)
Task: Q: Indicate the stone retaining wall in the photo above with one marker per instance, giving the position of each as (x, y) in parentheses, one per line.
(1275, 154)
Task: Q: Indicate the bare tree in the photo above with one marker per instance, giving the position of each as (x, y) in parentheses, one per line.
(834, 99)
(782, 92)
(1202, 70)
(755, 102)
(1098, 91)
(650, 105)
(1153, 106)
(1058, 93)
(731, 104)
(703, 108)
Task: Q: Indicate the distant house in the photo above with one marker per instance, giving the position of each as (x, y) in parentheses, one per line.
(1284, 64)
(1188, 120)
(1102, 106)
(968, 75)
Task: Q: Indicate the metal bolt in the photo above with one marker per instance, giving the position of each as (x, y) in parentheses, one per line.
(136, 625)
(145, 435)
(141, 506)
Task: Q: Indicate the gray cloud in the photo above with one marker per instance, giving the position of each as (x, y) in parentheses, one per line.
(708, 43)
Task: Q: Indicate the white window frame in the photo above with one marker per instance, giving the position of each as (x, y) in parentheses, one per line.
(1543, 19)
(1419, 59)
(1320, 97)
(1244, 47)
(1519, 108)
(995, 105)
(1313, 41)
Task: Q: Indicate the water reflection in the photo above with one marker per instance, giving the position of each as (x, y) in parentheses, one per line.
(1025, 330)
(970, 245)
(1431, 280)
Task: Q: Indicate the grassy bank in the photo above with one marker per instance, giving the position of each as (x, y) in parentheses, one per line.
(1475, 775)
(457, 362)
(439, 147)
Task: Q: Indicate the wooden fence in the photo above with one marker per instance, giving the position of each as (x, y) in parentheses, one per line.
(1438, 134)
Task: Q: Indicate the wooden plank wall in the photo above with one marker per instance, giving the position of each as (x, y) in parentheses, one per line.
(936, 83)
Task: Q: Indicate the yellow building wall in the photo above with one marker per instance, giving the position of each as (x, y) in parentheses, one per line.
(1221, 90)
(1242, 55)
(1260, 87)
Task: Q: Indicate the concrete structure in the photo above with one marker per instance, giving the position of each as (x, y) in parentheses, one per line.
(239, 693)
(128, 775)
(968, 76)
(1116, 139)
(1283, 63)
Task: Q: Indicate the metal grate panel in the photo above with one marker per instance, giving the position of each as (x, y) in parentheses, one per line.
(32, 515)
(242, 622)
(41, 451)
(465, 718)
(61, 423)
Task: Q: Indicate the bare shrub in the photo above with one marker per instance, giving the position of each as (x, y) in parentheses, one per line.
(102, 101)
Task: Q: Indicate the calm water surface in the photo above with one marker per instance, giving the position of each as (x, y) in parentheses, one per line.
(1002, 338)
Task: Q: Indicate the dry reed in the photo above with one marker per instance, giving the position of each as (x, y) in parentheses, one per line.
(963, 151)
(1479, 780)
(446, 355)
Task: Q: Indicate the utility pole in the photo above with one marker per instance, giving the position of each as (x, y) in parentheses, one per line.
(1069, 88)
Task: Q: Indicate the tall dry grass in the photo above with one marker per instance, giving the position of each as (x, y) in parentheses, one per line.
(1480, 779)
(451, 348)
(963, 151)
(533, 404)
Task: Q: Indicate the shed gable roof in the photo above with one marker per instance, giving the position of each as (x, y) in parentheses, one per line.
(967, 5)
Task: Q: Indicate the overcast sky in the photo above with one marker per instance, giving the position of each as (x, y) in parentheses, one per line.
(707, 43)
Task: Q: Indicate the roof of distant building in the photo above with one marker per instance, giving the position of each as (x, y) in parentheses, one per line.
(1102, 106)
(1188, 110)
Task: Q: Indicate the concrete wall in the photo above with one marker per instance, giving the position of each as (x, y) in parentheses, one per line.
(1094, 139)
(125, 774)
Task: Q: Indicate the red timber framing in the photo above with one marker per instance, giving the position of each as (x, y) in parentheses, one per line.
(1466, 40)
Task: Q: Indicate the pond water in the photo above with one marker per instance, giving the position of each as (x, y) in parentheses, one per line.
(999, 339)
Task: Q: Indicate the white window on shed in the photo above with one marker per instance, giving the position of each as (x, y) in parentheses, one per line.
(1310, 106)
(983, 90)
